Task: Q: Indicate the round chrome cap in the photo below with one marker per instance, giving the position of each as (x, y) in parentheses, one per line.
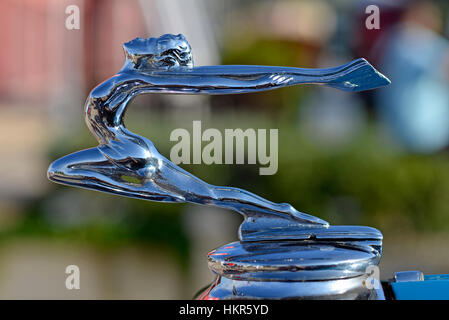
(315, 258)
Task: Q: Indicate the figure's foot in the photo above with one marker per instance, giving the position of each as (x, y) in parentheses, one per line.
(283, 223)
(302, 217)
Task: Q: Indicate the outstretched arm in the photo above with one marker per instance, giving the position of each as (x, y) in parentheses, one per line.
(108, 101)
(357, 75)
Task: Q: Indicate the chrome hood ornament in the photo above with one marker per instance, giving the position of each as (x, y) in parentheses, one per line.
(127, 164)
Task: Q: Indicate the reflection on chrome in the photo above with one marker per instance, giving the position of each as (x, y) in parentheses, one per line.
(127, 164)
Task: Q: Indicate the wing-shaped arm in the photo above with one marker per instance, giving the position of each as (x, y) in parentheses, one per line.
(107, 103)
(357, 75)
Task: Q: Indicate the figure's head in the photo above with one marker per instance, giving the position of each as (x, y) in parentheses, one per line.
(166, 52)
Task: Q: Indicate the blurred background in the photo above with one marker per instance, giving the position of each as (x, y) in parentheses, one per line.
(378, 158)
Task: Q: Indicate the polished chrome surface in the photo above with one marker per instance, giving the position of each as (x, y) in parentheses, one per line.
(283, 253)
(331, 264)
(342, 289)
(288, 260)
(128, 164)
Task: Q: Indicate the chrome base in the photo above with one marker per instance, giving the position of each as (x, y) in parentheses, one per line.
(343, 289)
(332, 264)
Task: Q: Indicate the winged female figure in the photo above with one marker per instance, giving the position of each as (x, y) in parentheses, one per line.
(127, 164)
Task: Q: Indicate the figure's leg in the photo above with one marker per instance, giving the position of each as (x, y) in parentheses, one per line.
(236, 197)
(91, 169)
(71, 167)
(177, 180)
(86, 169)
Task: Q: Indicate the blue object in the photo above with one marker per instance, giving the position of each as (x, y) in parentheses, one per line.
(434, 287)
